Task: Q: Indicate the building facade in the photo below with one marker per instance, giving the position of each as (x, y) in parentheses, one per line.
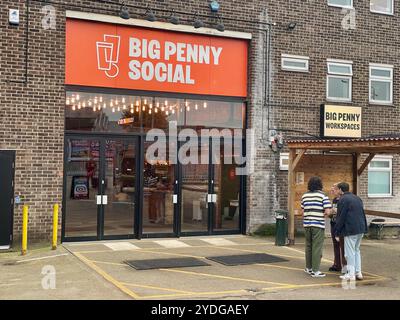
(294, 56)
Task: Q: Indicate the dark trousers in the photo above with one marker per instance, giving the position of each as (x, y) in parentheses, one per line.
(338, 249)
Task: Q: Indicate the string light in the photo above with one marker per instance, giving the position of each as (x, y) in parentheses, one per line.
(84, 104)
(166, 103)
(137, 103)
(196, 106)
(99, 108)
(72, 100)
(173, 111)
(77, 97)
(166, 112)
(144, 108)
(119, 109)
(124, 107)
(123, 100)
(79, 105)
(73, 108)
(150, 111)
(132, 111)
(137, 109)
(90, 103)
(95, 100)
(101, 99)
(104, 105)
(113, 110)
(156, 110)
(67, 102)
(205, 105)
(145, 101)
(94, 108)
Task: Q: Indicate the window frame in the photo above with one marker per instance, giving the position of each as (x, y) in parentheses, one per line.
(339, 75)
(381, 79)
(382, 158)
(380, 12)
(341, 6)
(289, 57)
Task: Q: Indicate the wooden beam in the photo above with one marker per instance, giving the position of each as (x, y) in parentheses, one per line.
(365, 164)
(291, 197)
(382, 214)
(298, 158)
(356, 177)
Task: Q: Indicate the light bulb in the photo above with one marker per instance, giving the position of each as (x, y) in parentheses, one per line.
(124, 107)
(150, 111)
(116, 102)
(137, 103)
(166, 103)
(145, 101)
(196, 106)
(162, 109)
(90, 103)
(205, 105)
(99, 108)
(137, 109)
(77, 97)
(72, 100)
(186, 103)
(94, 108)
(123, 100)
(119, 109)
(144, 108)
(156, 110)
(166, 112)
(188, 108)
(73, 108)
(158, 104)
(173, 111)
(95, 100)
(113, 109)
(111, 104)
(101, 99)
(104, 105)
(131, 105)
(67, 102)
(84, 104)
(131, 110)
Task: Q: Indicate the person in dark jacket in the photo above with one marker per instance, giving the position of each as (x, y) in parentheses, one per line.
(351, 224)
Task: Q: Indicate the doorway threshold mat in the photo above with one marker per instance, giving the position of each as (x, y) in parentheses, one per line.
(243, 259)
(166, 263)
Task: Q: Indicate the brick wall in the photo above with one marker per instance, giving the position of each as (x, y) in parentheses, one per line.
(32, 114)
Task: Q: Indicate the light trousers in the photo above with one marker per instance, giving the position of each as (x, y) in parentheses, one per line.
(352, 253)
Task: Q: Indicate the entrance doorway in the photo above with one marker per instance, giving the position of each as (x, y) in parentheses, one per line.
(100, 192)
(7, 168)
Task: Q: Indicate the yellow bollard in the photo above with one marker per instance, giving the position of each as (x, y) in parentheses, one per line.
(55, 226)
(24, 230)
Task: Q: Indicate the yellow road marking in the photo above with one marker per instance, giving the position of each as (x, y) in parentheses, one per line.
(195, 294)
(223, 277)
(253, 251)
(157, 288)
(106, 276)
(299, 286)
(110, 263)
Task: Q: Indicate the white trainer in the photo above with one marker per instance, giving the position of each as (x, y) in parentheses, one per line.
(318, 274)
(347, 276)
(359, 276)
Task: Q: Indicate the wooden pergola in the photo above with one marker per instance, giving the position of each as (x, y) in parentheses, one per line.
(356, 148)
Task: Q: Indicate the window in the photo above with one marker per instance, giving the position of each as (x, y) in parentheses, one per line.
(294, 63)
(380, 84)
(380, 177)
(341, 3)
(339, 80)
(284, 161)
(382, 6)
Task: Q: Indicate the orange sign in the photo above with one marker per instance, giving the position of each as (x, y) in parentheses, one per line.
(118, 56)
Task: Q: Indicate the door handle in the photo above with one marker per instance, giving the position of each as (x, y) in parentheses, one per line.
(105, 200)
(209, 198)
(174, 198)
(98, 200)
(214, 198)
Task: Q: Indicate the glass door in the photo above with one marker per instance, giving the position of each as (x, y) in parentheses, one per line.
(82, 174)
(100, 188)
(119, 188)
(196, 208)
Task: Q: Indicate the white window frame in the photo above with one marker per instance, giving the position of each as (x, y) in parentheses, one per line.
(390, 170)
(383, 67)
(341, 75)
(380, 12)
(288, 57)
(282, 166)
(340, 6)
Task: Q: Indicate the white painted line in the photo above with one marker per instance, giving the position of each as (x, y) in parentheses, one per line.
(121, 246)
(42, 258)
(172, 244)
(219, 241)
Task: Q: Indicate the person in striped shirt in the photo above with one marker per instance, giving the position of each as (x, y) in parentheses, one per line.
(315, 207)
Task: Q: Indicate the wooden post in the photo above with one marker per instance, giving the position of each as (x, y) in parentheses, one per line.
(356, 177)
(291, 196)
